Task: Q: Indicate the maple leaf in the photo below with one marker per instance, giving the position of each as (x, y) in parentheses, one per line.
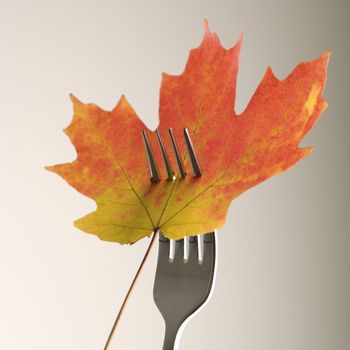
(236, 152)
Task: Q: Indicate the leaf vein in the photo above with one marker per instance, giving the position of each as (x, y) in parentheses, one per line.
(195, 197)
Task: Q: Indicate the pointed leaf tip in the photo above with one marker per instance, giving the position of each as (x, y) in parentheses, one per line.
(306, 152)
(122, 103)
(327, 56)
(49, 167)
(74, 99)
(206, 25)
(77, 104)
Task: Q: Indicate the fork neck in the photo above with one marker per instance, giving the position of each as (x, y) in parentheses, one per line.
(171, 331)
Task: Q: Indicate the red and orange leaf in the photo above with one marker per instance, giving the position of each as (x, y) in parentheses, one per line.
(236, 152)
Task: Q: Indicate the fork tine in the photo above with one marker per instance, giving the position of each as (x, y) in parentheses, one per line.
(152, 165)
(193, 248)
(209, 237)
(164, 249)
(208, 247)
(177, 154)
(179, 250)
(168, 168)
(196, 170)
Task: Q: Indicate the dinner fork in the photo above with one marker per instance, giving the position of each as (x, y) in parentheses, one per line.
(182, 287)
(184, 280)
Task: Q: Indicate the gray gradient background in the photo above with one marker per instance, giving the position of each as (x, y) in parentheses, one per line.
(284, 264)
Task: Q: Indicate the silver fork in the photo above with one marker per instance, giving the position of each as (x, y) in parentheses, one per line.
(183, 283)
(182, 287)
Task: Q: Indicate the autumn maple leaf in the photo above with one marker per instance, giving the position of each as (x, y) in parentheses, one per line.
(236, 152)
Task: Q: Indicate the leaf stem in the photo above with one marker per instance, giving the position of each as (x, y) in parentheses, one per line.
(121, 310)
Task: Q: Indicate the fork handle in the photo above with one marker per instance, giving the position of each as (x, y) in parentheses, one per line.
(170, 337)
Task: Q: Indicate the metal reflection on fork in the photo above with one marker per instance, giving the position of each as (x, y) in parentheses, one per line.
(183, 283)
(152, 165)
